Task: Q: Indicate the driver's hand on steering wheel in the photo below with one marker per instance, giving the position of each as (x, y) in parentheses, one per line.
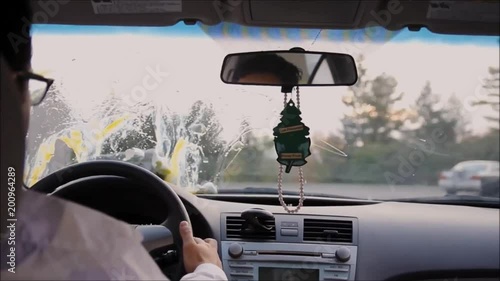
(197, 251)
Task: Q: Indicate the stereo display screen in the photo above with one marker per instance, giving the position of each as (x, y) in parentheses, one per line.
(287, 274)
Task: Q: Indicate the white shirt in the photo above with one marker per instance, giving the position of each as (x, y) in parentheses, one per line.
(59, 240)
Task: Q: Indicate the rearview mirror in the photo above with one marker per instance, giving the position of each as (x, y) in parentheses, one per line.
(289, 68)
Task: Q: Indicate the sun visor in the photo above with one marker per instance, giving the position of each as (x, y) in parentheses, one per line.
(303, 12)
(464, 17)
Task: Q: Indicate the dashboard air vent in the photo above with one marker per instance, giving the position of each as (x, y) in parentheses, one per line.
(328, 230)
(235, 225)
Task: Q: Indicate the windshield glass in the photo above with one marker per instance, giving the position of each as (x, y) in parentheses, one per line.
(153, 96)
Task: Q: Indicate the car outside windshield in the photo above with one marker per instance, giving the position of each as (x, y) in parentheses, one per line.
(471, 167)
(153, 96)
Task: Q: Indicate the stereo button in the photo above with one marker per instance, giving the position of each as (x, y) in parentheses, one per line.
(343, 254)
(238, 263)
(244, 266)
(336, 276)
(289, 224)
(240, 274)
(338, 267)
(235, 250)
(289, 232)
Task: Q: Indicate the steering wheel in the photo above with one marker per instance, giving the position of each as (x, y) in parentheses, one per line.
(155, 236)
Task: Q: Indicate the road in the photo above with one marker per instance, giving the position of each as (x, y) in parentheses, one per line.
(364, 191)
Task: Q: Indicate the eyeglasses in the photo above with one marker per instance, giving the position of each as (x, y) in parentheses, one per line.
(38, 86)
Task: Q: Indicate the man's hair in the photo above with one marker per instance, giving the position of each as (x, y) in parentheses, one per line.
(288, 73)
(16, 37)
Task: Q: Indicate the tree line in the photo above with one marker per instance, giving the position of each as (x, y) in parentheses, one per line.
(383, 144)
(379, 143)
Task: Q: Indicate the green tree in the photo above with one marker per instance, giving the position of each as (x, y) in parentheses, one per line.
(204, 129)
(52, 116)
(139, 134)
(329, 155)
(373, 118)
(163, 129)
(249, 159)
(455, 113)
(432, 116)
(492, 85)
(484, 147)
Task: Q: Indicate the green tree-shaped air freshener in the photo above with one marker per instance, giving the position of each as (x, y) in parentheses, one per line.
(290, 138)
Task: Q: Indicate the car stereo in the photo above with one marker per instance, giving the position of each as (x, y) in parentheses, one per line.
(276, 261)
(288, 252)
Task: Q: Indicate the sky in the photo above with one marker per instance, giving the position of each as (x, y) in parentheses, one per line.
(93, 62)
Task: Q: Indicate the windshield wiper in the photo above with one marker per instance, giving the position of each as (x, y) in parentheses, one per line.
(465, 200)
(274, 191)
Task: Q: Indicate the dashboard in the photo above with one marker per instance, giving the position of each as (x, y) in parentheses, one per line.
(379, 241)
(341, 240)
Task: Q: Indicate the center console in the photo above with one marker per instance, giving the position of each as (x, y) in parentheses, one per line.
(289, 247)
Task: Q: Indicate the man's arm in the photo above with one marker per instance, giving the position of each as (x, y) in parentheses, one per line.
(201, 259)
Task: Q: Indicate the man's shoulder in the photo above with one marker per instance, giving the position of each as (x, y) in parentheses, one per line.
(59, 239)
(61, 219)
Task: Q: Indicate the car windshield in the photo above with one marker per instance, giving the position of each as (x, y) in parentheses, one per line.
(153, 97)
